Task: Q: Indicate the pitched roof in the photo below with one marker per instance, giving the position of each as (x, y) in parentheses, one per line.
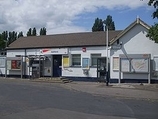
(63, 40)
(137, 21)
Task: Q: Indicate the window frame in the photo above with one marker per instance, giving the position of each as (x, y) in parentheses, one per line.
(96, 57)
(75, 57)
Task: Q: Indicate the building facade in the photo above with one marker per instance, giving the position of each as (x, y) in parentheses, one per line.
(76, 55)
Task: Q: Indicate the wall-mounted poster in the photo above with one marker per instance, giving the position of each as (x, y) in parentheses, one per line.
(9, 64)
(155, 63)
(115, 63)
(125, 65)
(85, 63)
(2, 61)
(139, 65)
(135, 63)
(15, 64)
(65, 61)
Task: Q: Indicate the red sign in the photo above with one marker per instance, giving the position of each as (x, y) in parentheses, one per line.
(84, 49)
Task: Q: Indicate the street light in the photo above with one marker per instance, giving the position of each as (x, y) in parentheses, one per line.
(107, 44)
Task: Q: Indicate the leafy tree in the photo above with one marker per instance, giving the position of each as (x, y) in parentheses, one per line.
(153, 33)
(110, 23)
(4, 38)
(34, 32)
(5, 35)
(2, 42)
(29, 33)
(154, 3)
(98, 25)
(12, 37)
(43, 31)
(20, 34)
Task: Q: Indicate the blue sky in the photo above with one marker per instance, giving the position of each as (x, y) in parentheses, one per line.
(122, 18)
(68, 16)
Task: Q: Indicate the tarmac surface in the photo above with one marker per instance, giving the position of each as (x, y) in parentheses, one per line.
(125, 90)
(23, 99)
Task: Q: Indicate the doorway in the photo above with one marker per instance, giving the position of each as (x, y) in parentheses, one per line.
(57, 65)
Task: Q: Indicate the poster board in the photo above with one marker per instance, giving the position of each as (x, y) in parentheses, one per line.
(66, 61)
(116, 63)
(155, 63)
(16, 64)
(85, 63)
(139, 65)
(8, 64)
(2, 62)
(125, 65)
(135, 63)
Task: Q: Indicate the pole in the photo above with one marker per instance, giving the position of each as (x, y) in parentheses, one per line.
(107, 67)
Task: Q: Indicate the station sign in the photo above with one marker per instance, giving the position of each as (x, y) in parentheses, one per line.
(56, 51)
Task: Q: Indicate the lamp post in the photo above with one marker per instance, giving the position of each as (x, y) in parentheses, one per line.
(107, 44)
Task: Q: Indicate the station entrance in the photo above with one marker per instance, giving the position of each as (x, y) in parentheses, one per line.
(45, 66)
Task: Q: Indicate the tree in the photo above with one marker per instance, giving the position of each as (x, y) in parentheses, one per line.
(20, 34)
(43, 31)
(4, 38)
(110, 23)
(12, 37)
(34, 32)
(98, 25)
(2, 42)
(29, 32)
(5, 35)
(154, 3)
(153, 31)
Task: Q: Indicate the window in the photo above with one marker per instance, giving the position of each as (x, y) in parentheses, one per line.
(116, 63)
(94, 58)
(76, 60)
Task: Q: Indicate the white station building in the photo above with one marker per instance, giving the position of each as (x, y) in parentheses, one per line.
(132, 57)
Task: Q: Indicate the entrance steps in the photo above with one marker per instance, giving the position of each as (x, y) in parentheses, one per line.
(52, 80)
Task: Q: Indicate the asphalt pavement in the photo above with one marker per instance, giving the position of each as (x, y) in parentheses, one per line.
(24, 99)
(126, 90)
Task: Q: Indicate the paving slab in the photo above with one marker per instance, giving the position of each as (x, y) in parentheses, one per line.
(137, 91)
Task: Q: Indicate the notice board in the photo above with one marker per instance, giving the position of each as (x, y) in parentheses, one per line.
(115, 63)
(2, 62)
(85, 63)
(137, 63)
(66, 61)
(155, 63)
(125, 65)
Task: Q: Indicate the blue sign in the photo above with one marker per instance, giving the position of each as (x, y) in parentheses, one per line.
(85, 63)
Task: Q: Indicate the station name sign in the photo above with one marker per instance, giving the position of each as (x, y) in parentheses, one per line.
(54, 51)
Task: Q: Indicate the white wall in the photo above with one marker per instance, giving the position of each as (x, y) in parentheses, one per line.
(78, 72)
(69, 71)
(134, 42)
(13, 53)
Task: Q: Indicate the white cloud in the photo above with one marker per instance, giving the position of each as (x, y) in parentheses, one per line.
(56, 15)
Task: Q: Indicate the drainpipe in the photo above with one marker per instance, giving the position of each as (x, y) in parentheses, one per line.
(25, 63)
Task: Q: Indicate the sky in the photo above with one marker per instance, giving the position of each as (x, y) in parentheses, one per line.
(69, 16)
